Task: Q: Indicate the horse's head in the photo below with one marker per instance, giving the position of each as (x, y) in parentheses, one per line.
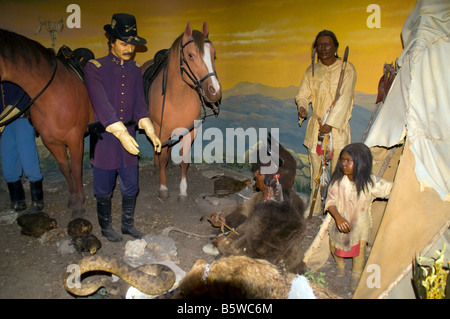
(197, 55)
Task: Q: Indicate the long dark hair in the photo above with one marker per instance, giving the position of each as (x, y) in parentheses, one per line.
(362, 166)
(330, 34)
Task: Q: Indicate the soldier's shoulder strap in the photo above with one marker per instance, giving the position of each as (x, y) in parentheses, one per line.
(95, 62)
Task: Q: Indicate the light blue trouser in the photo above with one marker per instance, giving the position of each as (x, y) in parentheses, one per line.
(19, 152)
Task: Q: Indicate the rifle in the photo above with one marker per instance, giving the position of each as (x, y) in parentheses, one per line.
(324, 159)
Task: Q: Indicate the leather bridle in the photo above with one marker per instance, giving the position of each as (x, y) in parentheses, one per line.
(197, 86)
(188, 71)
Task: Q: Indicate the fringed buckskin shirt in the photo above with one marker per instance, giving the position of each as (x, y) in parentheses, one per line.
(320, 90)
(355, 209)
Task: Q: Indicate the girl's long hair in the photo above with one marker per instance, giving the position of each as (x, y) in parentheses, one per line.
(362, 166)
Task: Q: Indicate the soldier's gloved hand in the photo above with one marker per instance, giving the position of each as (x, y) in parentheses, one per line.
(119, 130)
(12, 113)
(146, 125)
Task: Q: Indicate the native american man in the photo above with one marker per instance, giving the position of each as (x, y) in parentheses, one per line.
(318, 88)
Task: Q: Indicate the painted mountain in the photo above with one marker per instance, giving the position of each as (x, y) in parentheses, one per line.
(249, 106)
(255, 105)
(252, 105)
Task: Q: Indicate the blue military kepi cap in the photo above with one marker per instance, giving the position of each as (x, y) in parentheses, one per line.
(123, 27)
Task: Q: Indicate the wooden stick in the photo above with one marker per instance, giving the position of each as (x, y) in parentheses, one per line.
(232, 229)
(319, 237)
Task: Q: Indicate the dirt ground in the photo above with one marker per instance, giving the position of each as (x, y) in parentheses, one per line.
(33, 267)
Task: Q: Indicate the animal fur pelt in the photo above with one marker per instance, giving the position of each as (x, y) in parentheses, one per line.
(267, 230)
(79, 227)
(87, 243)
(80, 230)
(35, 224)
(240, 277)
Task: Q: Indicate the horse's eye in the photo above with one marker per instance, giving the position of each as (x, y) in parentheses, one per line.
(191, 55)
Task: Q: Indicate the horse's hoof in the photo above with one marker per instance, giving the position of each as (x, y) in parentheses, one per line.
(182, 198)
(163, 193)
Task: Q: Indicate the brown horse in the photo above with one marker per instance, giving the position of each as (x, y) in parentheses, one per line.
(60, 114)
(188, 80)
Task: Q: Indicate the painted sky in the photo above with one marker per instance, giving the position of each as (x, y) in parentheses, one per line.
(265, 41)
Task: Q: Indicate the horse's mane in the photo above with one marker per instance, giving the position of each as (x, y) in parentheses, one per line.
(199, 40)
(13, 45)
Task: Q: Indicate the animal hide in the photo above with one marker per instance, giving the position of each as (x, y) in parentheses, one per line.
(241, 277)
(267, 230)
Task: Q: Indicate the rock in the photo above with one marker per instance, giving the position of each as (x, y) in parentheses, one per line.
(51, 236)
(64, 246)
(210, 249)
(150, 249)
(8, 217)
(212, 173)
(162, 247)
(135, 248)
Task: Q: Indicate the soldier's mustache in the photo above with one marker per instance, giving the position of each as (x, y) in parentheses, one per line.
(127, 53)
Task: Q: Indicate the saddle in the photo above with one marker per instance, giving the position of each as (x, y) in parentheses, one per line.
(159, 62)
(75, 59)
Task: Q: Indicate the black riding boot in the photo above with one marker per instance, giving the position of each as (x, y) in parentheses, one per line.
(37, 196)
(17, 196)
(104, 219)
(128, 204)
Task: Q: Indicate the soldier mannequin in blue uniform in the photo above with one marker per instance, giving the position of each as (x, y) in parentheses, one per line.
(114, 84)
(18, 150)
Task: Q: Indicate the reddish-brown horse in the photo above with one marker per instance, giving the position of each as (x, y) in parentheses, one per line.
(190, 80)
(60, 114)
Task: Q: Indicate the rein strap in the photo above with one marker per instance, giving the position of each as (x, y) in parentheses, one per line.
(198, 84)
(29, 103)
(198, 88)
